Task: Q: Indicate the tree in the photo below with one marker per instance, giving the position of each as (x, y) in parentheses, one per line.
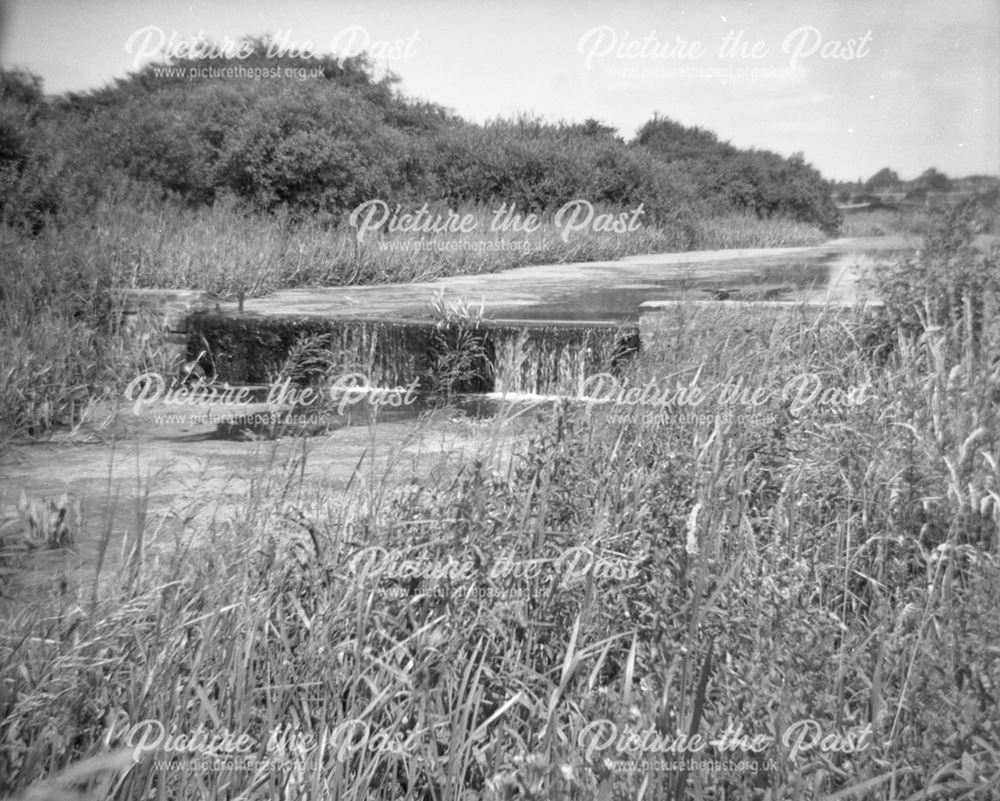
(671, 141)
(883, 180)
(592, 127)
(934, 181)
(20, 87)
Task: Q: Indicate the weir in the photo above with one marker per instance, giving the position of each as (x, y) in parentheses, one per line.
(553, 327)
(511, 357)
(556, 359)
(257, 350)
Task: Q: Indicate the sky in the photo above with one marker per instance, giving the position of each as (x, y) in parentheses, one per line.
(854, 86)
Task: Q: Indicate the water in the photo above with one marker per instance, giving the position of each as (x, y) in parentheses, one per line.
(760, 279)
(554, 359)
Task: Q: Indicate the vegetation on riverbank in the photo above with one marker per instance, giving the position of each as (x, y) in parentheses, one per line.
(321, 146)
(831, 562)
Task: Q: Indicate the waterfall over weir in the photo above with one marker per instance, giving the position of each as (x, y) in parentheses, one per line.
(550, 359)
(533, 358)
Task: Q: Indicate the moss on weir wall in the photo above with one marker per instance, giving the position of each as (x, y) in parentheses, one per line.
(249, 349)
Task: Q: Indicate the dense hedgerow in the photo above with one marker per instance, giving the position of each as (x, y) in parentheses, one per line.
(758, 181)
(327, 143)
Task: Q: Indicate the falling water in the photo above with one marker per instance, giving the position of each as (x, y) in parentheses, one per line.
(552, 359)
(524, 358)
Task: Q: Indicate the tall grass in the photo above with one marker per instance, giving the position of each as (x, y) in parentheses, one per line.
(133, 240)
(837, 564)
(748, 231)
(885, 222)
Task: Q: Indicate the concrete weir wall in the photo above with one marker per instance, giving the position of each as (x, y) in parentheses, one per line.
(253, 349)
(662, 323)
(538, 358)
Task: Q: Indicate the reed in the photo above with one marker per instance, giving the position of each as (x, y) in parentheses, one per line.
(834, 564)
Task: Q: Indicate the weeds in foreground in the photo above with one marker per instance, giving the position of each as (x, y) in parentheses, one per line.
(554, 618)
(953, 279)
(565, 612)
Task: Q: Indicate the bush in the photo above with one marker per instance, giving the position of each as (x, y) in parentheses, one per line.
(326, 144)
(949, 282)
(755, 181)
